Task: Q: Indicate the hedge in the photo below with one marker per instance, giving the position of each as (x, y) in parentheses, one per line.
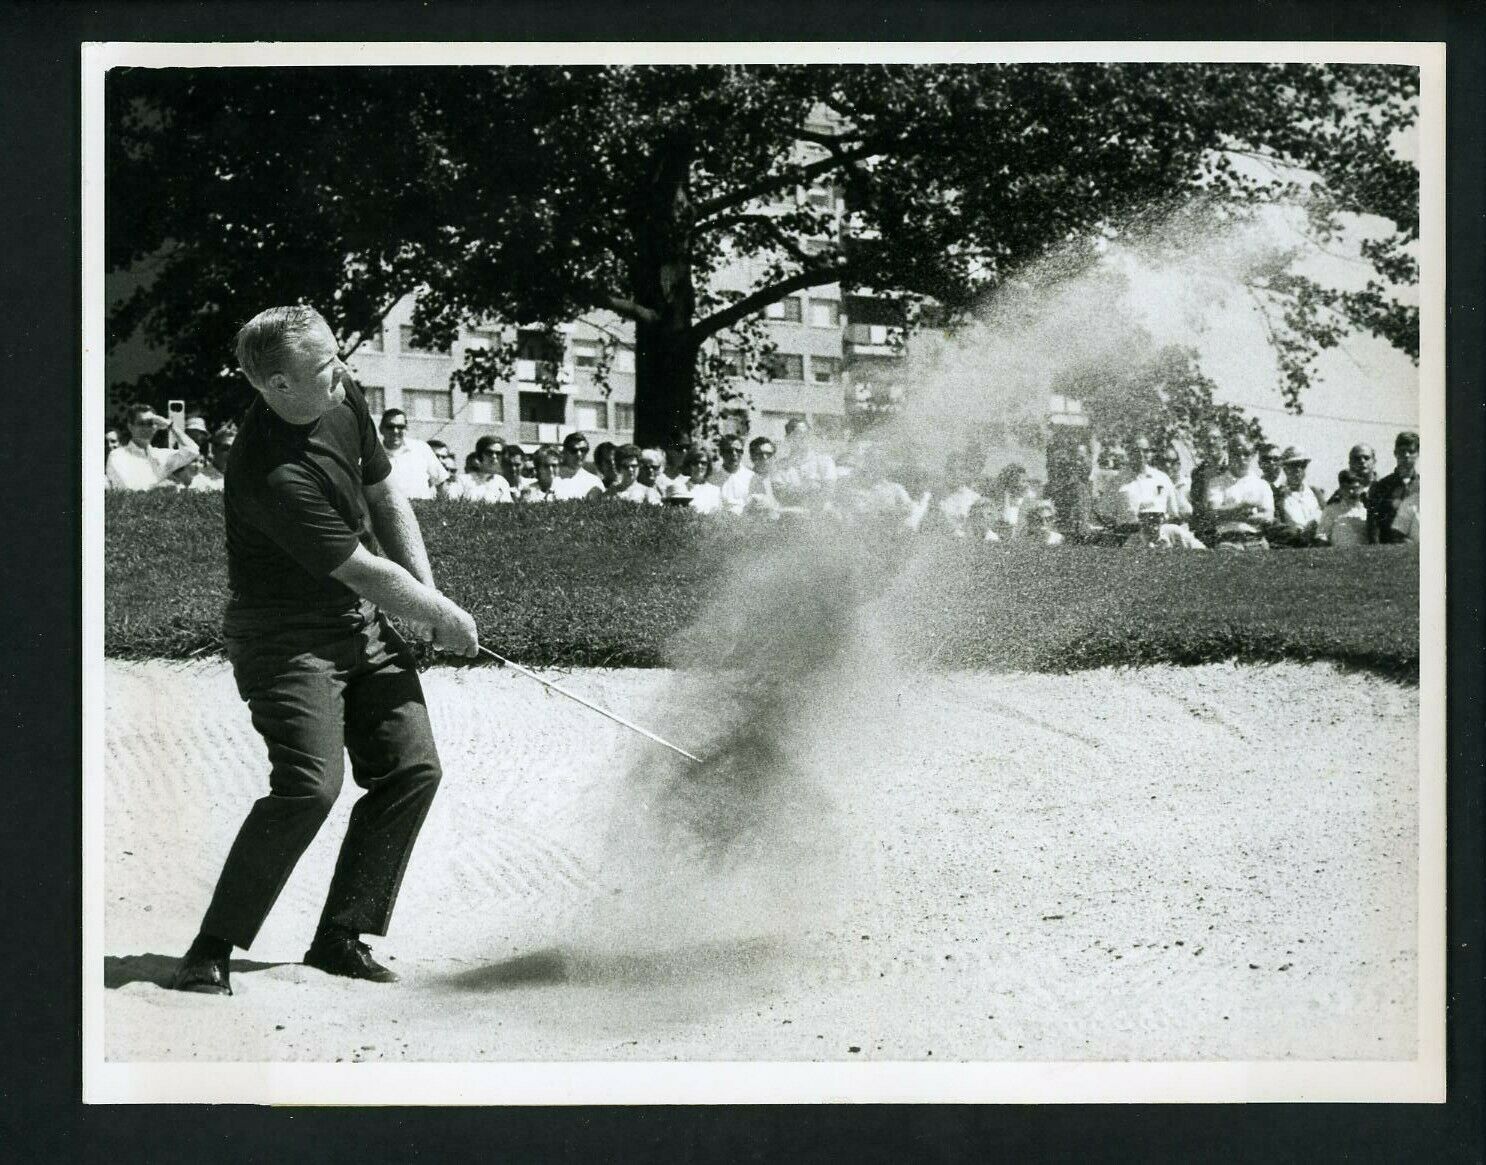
(585, 584)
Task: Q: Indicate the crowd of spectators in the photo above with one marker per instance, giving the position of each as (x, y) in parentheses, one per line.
(1237, 497)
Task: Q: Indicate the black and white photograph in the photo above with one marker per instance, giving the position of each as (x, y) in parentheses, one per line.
(760, 572)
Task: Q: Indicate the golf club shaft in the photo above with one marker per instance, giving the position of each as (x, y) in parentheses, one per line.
(561, 691)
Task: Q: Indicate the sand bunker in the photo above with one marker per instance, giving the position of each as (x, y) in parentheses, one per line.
(1161, 864)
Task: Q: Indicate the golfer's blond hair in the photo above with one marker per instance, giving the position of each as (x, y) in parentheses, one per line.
(264, 339)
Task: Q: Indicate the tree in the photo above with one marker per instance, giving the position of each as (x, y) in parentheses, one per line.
(540, 194)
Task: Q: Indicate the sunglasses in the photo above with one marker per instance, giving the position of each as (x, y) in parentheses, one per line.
(393, 428)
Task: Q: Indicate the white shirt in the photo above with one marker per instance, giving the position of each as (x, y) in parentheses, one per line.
(1344, 524)
(734, 488)
(635, 492)
(706, 498)
(577, 485)
(805, 475)
(208, 479)
(1224, 490)
(956, 508)
(130, 467)
(416, 471)
(1141, 491)
(532, 491)
(1301, 507)
(477, 487)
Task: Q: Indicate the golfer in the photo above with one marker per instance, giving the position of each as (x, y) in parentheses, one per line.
(313, 656)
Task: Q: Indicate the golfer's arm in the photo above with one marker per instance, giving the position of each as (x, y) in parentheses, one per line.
(396, 528)
(392, 588)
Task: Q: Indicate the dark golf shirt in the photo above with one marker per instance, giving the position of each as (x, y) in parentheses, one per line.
(295, 511)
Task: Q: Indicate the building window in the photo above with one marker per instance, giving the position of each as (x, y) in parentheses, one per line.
(591, 414)
(825, 313)
(586, 353)
(786, 366)
(376, 399)
(825, 369)
(487, 410)
(732, 361)
(405, 339)
(624, 359)
(624, 418)
(787, 309)
(422, 405)
(482, 338)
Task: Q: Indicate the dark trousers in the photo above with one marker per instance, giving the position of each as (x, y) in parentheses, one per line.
(317, 693)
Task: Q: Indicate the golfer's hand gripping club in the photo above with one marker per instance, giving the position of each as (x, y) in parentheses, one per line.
(455, 631)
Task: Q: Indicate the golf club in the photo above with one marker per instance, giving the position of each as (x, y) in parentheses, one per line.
(561, 691)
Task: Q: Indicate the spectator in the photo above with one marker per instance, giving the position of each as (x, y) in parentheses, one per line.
(139, 465)
(445, 456)
(1037, 523)
(1011, 493)
(1169, 462)
(483, 481)
(1344, 520)
(1073, 495)
(416, 471)
(1141, 489)
(653, 470)
(761, 499)
(1386, 496)
(574, 482)
(1214, 461)
(603, 462)
(513, 468)
(199, 431)
(547, 461)
(872, 493)
(677, 448)
(963, 474)
(1298, 510)
(110, 443)
(1239, 501)
(627, 486)
(806, 474)
(1363, 464)
(210, 473)
(694, 484)
(733, 479)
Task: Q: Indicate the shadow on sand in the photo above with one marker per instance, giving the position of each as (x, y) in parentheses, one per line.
(121, 970)
(554, 966)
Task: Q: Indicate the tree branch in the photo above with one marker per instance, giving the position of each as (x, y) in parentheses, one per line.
(779, 182)
(760, 299)
(629, 309)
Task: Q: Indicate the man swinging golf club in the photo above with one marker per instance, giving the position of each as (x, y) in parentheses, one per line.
(322, 672)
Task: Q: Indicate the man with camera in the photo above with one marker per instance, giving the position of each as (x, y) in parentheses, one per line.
(140, 464)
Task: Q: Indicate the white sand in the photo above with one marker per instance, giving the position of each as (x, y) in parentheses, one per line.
(1164, 864)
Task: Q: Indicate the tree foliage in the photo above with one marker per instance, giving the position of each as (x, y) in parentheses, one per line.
(672, 196)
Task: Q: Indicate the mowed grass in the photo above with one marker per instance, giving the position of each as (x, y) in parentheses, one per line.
(605, 585)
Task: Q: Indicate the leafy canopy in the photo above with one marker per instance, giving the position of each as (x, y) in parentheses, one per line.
(671, 196)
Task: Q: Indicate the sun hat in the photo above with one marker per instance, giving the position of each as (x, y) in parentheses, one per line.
(1294, 454)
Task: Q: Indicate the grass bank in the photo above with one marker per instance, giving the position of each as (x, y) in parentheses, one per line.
(586, 585)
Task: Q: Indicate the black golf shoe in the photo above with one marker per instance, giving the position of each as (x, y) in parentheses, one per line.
(203, 974)
(345, 954)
